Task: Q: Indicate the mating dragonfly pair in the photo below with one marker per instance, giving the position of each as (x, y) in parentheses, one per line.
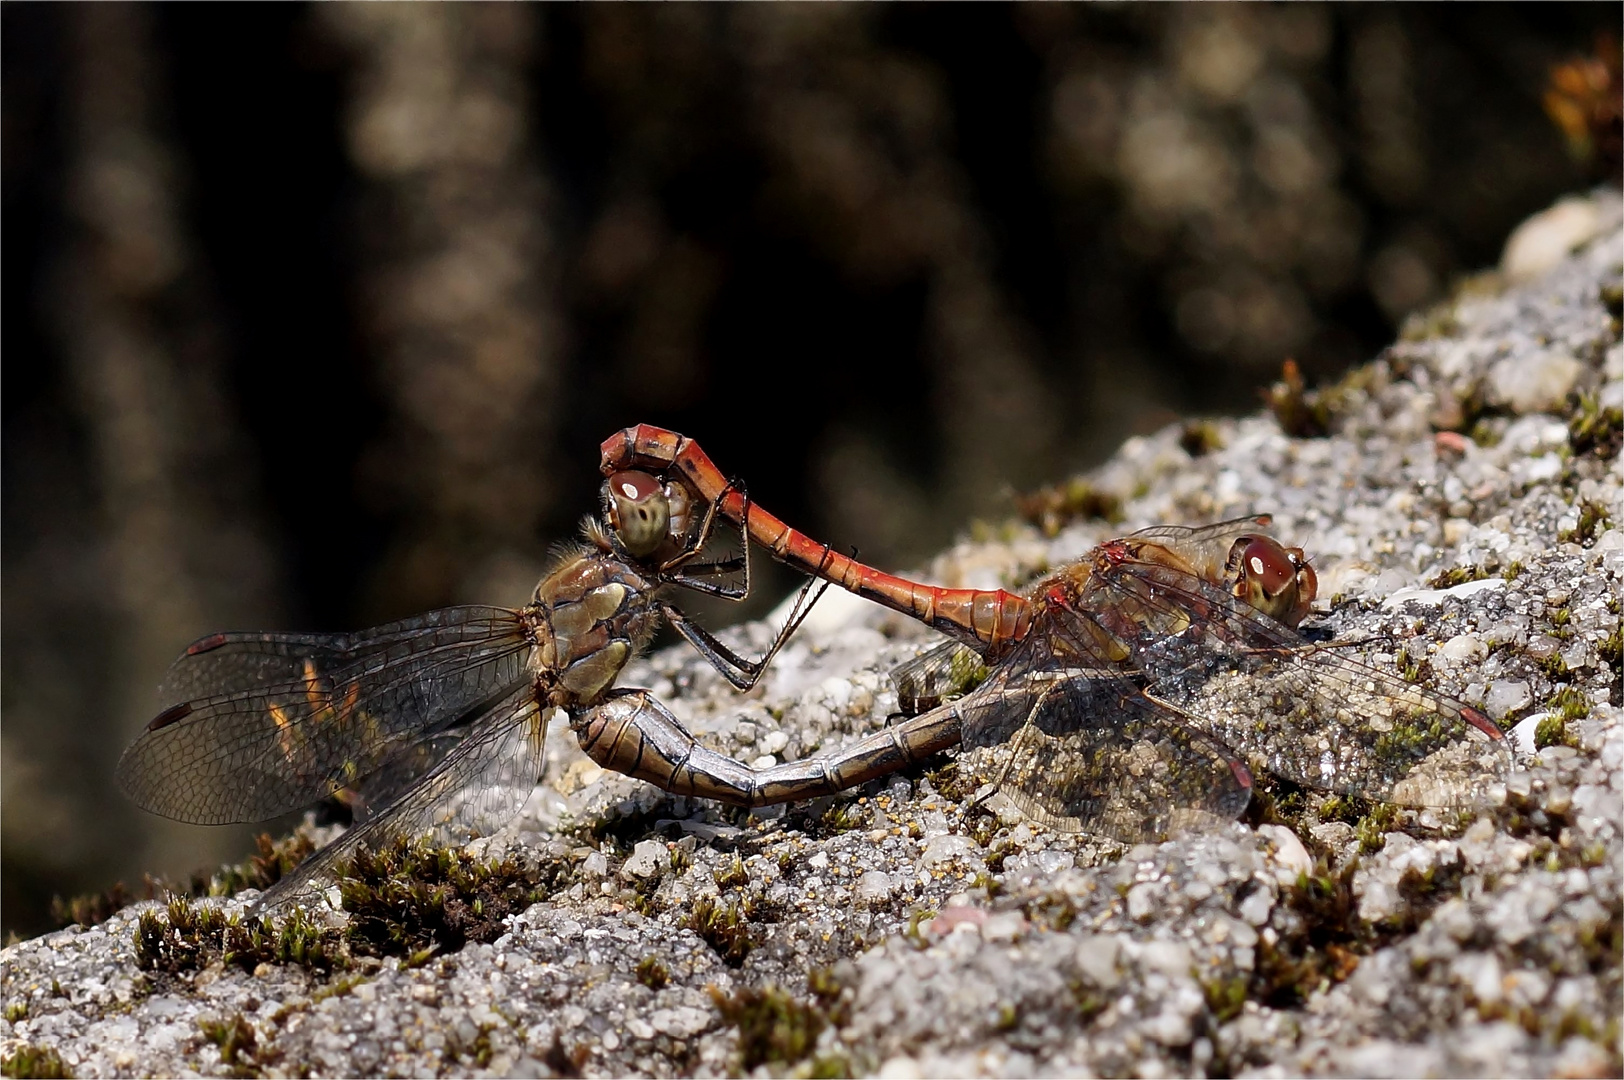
(1132, 691)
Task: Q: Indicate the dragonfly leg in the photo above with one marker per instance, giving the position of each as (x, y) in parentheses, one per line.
(681, 569)
(632, 733)
(742, 673)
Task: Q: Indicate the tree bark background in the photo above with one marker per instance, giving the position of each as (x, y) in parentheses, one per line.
(314, 317)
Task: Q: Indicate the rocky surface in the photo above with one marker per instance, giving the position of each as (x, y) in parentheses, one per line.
(1459, 501)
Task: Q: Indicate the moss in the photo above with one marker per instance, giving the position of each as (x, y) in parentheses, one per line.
(1298, 411)
(1410, 738)
(774, 1027)
(1438, 320)
(275, 858)
(337, 988)
(724, 927)
(15, 1011)
(1225, 997)
(408, 899)
(239, 1046)
(831, 1067)
(1457, 575)
(1513, 571)
(914, 931)
(1553, 731)
(652, 974)
(953, 782)
(982, 825)
(1373, 828)
(274, 861)
(37, 1061)
(733, 874)
(824, 983)
(1089, 1000)
(1568, 703)
(1326, 947)
(1593, 518)
(844, 817)
(1348, 809)
(1054, 507)
(1555, 668)
(1200, 438)
(410, 896)
(91, 909)
(191, 936)
(1596, 430)
(1611, 649)
(1312, 414)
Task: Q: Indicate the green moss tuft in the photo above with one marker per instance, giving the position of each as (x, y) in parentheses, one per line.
(410, 896)
(239, 1045)
(1553, 731)
(774, 1027)
(724, 927)
(652, 974)
(37, 1061)
(733, 875)
(1373, 828)
(1596, 430)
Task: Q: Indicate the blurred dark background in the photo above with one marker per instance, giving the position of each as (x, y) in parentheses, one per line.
(315, 317)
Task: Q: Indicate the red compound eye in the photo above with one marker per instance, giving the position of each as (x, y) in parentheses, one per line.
(1268, 564)
(633, 486)
(638, 510)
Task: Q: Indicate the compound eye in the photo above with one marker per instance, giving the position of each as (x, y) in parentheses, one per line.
(639, 511)
(1267, 564)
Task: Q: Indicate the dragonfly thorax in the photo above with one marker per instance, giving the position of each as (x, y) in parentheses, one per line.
(590, 616)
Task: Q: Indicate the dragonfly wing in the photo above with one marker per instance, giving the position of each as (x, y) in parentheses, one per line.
(1311, 713)
(258, 724)
(472, 791)
(1219, 532)
(939, 674)
(1095, 756)
(390, 780)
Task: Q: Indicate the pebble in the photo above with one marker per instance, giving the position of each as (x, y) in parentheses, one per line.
(1506, 696)
(648, 859)
(1534, 384)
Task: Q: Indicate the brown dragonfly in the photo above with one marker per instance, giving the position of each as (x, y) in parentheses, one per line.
(436, 724)
(1134, 689)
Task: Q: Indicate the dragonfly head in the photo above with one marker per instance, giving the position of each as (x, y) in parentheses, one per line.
(638, 510)
(1274, 579)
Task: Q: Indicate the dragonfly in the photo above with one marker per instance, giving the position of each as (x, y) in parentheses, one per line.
(436, 724)
(1133, 692)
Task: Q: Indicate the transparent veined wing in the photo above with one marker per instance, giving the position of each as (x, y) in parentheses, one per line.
(1312, 713)
(258, 724)
(472, 791)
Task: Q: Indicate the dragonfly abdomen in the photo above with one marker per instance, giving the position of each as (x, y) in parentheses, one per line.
(633, 734)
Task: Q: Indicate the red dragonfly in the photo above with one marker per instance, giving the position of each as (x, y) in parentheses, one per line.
(1134, 688)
